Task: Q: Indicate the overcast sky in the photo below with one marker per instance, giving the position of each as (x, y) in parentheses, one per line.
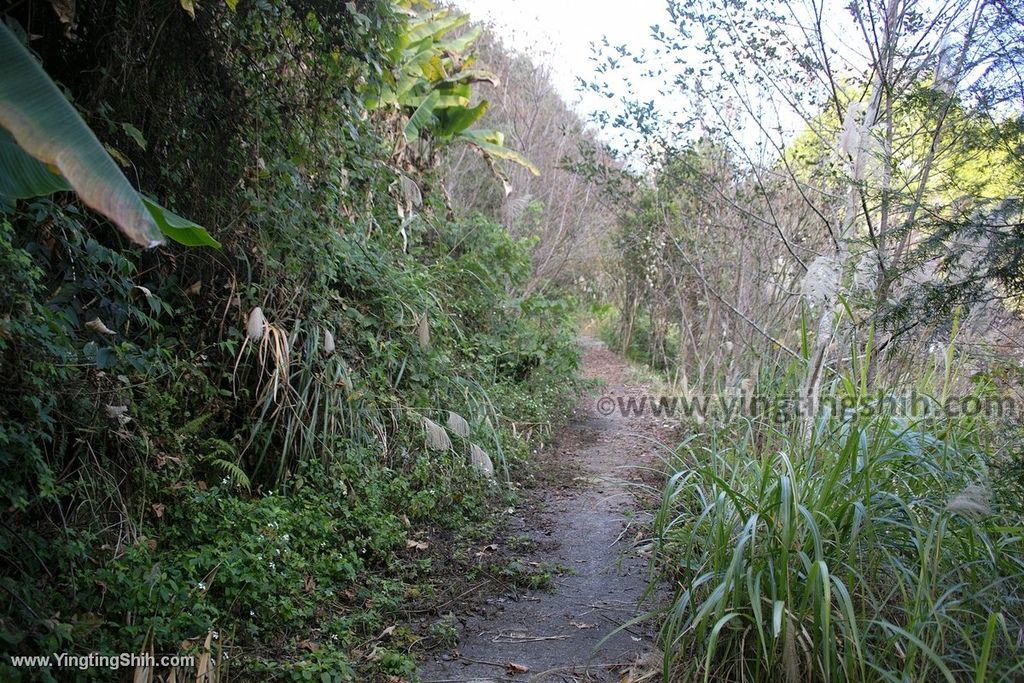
(559, 33)
(565, 30)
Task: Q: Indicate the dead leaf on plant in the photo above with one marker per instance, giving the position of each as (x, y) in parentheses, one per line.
(416, 545)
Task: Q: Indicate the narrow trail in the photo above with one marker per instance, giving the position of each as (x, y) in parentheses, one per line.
(588, 522)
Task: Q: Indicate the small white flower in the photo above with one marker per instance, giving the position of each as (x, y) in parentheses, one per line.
(252, 613)
(201, 586)
(285, 538)
(272, 565)
(215, 635)
(224, 481)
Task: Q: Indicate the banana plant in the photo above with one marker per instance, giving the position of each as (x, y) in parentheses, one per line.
(430, 86)
(46, 147)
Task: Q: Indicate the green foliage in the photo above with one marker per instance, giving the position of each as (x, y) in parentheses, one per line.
(39, 121)
(873, 552)
(430, 86)
(166, 473)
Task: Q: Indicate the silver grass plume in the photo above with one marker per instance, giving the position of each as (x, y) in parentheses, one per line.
(850, 135)
(943, 65)
(481, 461)
(457, 424)
(822, 280)
(865, 276)
(328, 342)
(973, 500)
(411, 192)
(437, 437)
(254, 328)
(423, 331)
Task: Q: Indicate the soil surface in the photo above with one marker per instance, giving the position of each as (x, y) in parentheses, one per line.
(584, 521)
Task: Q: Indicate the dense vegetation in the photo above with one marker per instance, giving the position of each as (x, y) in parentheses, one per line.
(244, 444)
(828, 232)
(228, 451)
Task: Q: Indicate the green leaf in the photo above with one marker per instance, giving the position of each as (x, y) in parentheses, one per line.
(485, 142)
(181, 230)
(46, 126)
(24, 176)
(455, 120)
(472, 76)
(462, 43)
(435, 26)
(422, 117)
(135, 134)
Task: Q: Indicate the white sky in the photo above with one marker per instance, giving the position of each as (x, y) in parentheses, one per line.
(559, 34)
(564, 30)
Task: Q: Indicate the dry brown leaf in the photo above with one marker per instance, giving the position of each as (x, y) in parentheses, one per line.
(96, 325)
(204, 667)
(514, 668)
(416, 545)
(158, 509)
(309, 645)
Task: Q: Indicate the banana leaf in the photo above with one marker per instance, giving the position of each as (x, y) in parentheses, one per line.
(47, 127)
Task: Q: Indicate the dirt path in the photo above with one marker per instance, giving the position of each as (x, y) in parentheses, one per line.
(587, 523)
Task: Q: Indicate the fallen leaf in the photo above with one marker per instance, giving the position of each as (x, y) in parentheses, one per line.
(581, 625)
(416, 545)
(310, 645)
(158, 509)
(387, 632)
(514, 668)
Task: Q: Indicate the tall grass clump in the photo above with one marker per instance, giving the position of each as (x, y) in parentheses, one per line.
(871, 551)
